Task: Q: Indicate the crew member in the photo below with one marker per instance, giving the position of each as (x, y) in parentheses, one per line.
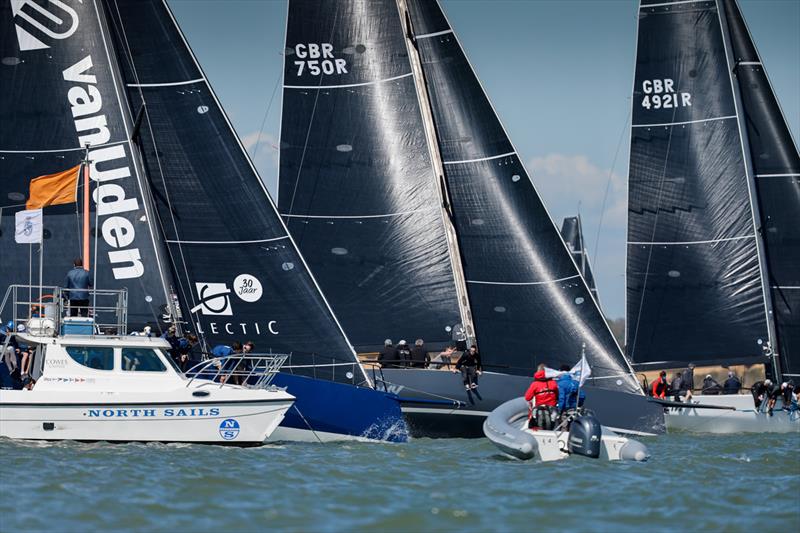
(542, 396)
(773, 393)
(403, 353)
(659, 387)
(419, 355)
(688, 382)
(568, 390)
(676, 387)
(77, 284)
(732, 385)
(388, 355)
(760, 390)
(710, 385)
(469, 364)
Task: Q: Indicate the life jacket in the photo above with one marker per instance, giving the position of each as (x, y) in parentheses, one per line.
(543, 391)
(659, 389)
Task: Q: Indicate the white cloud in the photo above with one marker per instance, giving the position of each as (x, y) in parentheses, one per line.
(572, 184)
(264, 151)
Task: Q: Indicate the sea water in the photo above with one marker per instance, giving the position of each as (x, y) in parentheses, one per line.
(692, 482)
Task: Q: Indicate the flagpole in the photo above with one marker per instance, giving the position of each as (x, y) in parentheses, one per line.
(30, 278)
(86, 209)
(581, 380)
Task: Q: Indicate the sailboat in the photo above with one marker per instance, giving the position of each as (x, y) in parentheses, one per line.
(416, 215)
(572, 233)
(714, 199)
(182, 220)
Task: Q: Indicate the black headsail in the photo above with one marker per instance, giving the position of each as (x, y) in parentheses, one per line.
(240, 274)
(529, 302)
(60, 90)
(776, 171)
(357, 187)
(572, 233)
(694, 289)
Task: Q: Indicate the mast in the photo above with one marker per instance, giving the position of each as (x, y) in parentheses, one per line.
(438, 167)
(771, 349)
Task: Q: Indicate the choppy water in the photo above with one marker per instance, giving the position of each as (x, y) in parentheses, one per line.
(733, 483)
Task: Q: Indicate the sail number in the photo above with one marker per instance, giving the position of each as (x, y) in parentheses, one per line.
(661, 94)
(318, 59)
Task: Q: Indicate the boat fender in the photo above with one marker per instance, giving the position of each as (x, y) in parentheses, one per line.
(585, 436)
(633, 450)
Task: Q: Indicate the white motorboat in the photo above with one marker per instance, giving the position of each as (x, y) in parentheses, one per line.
(735, 413)
(120, 388)
(507, 428)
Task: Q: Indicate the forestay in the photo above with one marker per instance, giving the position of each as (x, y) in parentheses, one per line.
(694, 288)
(529, 302)
(776, 171)
(60, 90)
(357, 188)
(240, 274)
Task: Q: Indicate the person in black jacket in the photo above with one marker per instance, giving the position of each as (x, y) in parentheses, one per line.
(419, 355)
(732, 385)
(403, 354)
(469, 364)
(388, 356)
(710, 385)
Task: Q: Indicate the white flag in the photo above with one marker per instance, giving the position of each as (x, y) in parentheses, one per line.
(28, 226)
(581, 371)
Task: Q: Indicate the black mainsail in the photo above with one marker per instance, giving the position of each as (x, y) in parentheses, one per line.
(694, 279)
(572, 233)
(357, 187)
(735, 177)
(60, 89)
(528, 300)
(240, 275)
(776, 171)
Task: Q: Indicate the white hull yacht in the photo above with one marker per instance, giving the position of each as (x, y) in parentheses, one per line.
(735, 413)
(120, 388)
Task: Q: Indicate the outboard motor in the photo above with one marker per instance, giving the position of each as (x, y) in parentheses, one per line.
(585, 436)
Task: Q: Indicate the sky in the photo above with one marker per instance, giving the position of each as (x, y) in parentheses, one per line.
(559, 73)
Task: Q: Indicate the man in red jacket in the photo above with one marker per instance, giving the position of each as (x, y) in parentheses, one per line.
(543, 397)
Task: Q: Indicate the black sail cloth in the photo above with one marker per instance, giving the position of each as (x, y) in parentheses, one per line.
(356, 187)
(240, 276)
(60, 89)
(694, 288)
(528, 300)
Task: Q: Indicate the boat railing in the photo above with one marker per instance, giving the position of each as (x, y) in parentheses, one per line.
(255, 371)
(46, 310)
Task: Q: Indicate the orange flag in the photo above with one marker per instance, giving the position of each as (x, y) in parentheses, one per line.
(54, 189)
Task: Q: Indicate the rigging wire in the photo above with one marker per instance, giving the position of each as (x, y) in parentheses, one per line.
(264, 119)
(625, 129)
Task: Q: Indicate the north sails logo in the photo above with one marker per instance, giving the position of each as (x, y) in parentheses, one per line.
(29, 15)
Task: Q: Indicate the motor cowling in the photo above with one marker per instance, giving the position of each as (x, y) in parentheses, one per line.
(585, 436)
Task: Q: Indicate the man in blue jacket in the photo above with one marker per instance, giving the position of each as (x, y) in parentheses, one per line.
(568, 391)
(77, 284)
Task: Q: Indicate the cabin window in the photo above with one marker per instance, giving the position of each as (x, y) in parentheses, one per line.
(141, 360)
(97, 357)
